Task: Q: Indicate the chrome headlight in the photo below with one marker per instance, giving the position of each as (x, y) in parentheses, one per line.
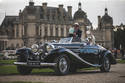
(49, 47)
(34, 47)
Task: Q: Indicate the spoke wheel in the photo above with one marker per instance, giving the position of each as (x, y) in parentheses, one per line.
(105, 65)
(62, 66)
(24, 70)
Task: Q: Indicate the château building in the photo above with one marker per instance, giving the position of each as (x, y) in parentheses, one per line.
(104, 33)
(36, 24)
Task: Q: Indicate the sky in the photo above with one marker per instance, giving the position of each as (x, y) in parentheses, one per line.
(93, 8)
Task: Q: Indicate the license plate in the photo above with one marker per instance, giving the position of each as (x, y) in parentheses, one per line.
(33, 63)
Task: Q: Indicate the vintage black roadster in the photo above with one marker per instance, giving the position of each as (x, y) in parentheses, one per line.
(64, 57)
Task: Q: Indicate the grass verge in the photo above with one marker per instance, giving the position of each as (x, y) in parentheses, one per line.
(12, 70)
(120, 61)
(9, 62)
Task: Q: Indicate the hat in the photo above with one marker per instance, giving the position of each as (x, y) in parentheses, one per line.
(88, 32)
(76, 24)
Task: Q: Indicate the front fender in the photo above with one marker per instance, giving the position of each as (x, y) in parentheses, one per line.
(23, 51)
(58, 52)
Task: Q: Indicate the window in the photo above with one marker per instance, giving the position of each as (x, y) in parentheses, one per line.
(46, 31)
(40, 32)
(41, 16)
(51, 30)
(56, 31)
(13, 32)
(67, 31)
(17, 45)
(37, 29)
(17, 31)
(62, 31)
(25, 29)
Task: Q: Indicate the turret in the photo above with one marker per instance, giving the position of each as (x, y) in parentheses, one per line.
(31, 3)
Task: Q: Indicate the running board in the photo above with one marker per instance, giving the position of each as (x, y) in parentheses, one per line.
(41, 64)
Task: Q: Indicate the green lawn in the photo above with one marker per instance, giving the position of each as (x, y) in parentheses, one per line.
(12, 70)
(8, 69)
(90, 68)
(121, 61)
(4, 62)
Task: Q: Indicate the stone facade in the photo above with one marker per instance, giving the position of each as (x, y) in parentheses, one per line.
(37, 24)
(104, 33)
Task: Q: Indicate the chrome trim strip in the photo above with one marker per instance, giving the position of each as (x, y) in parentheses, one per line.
(47, 64)
(20, 63)
(95, 65)
(41, 64)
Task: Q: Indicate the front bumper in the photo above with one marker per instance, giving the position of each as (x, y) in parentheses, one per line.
(41, 64)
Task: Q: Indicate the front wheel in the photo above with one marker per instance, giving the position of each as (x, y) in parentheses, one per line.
(63, 65)
(24, 70)
(105, 65)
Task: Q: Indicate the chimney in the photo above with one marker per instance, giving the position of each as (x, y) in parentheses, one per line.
(61, 12)
(69, 10)
(20, 13)
(44, 5)
(60, 7)
(99, 21)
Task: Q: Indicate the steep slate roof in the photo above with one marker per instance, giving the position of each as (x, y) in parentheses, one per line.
(9, 20)
(80, 14)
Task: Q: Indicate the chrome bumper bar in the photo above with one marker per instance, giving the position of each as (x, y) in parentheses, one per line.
(41, 64)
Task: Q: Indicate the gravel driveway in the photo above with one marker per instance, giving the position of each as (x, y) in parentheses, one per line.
(116, 75)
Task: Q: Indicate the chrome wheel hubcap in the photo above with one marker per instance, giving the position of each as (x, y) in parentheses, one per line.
(63, 65)
(107, 64)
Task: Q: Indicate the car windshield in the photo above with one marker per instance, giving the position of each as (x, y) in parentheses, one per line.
(66, 40)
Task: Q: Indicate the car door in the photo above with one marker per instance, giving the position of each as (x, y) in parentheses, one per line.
(90, 54)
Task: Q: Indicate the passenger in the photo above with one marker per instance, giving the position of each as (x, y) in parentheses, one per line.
(77, 31)
(91, 38)
(71, 32)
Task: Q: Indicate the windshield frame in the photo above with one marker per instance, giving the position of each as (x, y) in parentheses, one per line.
(66, 40)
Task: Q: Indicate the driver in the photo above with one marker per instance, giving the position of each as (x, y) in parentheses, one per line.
(77, 31)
